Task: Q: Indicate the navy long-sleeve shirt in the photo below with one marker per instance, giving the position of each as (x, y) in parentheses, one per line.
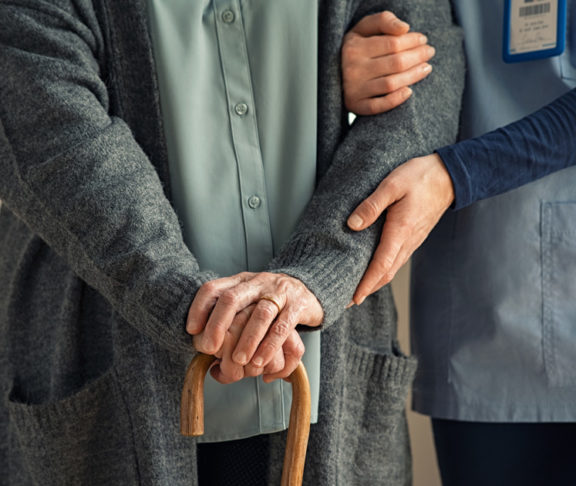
(511, 156)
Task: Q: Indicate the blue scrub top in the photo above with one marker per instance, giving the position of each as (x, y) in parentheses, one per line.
(494, 286)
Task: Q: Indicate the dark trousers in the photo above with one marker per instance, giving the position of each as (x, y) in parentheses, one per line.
(234, 463)
(505, 454)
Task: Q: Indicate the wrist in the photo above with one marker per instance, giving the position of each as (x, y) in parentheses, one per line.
(441, 178)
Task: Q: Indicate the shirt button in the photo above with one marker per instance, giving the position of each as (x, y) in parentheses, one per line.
(241, 109)
(254, 202)
(228, 16)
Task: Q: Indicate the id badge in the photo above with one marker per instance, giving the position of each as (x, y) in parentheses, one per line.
(534, 29)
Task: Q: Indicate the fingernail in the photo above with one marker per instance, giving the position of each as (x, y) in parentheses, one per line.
(258, 362)
(427, 68)
(423, 39)
(350, 304)
(400, 23)
(355, 221)
(240, 358)
(431, 51)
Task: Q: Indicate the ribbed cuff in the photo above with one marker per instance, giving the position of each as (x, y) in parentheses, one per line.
(328, 274)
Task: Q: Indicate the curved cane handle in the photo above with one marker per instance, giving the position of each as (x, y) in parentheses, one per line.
(192, 403)
(192, 414)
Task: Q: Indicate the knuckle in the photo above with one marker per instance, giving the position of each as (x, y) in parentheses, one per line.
(210, 287)
(232, 371)
(350, 73)
(351, 38)
(374, 106)
(349, 51)
(251, 370)
(386, 17)
(293, 347)
(281, 329)
(382, 264)
(251, 341)
(362, 108)
(393, 44)
(269, 347)
(387, 278)
(265, 311)
(402, 63)
(398, 63)
(275, 365)
(370, 107)
(285, 283)
(208, 346)
(371, 208)
(387, 84)
(299, 350)
(392, 185)
(229, 297)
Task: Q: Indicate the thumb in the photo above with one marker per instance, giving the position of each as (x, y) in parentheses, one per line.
(381, 23)
(369, 210)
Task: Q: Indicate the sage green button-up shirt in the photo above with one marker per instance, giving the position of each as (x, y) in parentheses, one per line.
(238, 94)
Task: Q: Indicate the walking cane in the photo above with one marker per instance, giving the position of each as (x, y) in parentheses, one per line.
(192, 414)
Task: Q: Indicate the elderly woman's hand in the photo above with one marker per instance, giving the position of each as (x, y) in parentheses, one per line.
(250, 318)
(283, 363)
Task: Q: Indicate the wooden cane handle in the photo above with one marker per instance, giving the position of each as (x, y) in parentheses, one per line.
(192, 403)
(298, 429)
(192, 415)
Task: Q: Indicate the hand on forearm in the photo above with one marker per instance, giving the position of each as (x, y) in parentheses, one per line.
(415, 194)
(380, 60)
(265, 332)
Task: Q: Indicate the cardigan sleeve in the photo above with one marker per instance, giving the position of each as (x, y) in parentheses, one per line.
(514, 155)
(322, 252)
(77, 177)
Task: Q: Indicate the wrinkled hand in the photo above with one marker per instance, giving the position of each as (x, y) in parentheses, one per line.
(416, 194)
(380, 60)
(231, 316)
(284, 361)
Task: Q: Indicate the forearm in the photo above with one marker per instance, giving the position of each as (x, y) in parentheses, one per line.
(514, 155)
(326, 256)
(79, 180)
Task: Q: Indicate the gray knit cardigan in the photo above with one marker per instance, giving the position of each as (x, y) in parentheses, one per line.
(95, 280)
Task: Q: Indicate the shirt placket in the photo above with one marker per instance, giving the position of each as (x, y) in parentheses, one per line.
(243, 123)
(234, 60)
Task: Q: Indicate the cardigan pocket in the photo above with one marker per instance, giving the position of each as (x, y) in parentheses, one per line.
(559, 291)
(374, 444)
(83, 439)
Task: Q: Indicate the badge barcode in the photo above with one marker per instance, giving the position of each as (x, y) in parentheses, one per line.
(541, 8)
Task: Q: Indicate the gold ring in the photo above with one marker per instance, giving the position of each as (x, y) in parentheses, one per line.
(271, 299)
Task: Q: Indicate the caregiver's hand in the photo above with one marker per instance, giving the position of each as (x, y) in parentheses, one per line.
(416, 194)
(380, 60)
(280, 303)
